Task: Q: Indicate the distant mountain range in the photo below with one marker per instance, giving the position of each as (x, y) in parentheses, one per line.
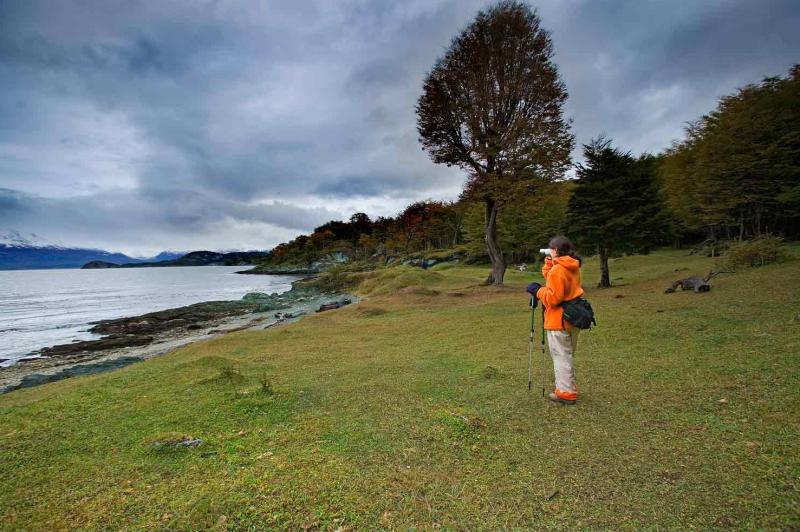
(32, 252)
(195, 258)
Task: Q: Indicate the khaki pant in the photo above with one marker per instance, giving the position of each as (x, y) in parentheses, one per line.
(562, 346)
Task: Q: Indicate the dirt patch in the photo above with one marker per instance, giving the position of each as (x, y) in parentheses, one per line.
(373, 312)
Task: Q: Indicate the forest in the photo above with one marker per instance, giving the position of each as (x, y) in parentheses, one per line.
(735, 176)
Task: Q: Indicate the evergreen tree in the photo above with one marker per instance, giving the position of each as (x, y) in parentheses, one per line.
(616, 206)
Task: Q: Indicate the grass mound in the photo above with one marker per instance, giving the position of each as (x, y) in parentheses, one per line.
(397, 278)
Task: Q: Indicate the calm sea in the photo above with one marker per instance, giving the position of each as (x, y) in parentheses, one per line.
(40, 308)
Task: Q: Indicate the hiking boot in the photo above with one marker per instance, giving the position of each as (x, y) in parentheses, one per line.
(556, 399)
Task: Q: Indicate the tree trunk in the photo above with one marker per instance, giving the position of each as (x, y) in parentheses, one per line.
(495, 255)
(741, 226)
(605, 279)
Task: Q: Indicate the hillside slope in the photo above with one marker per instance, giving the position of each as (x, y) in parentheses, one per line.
(411, 410)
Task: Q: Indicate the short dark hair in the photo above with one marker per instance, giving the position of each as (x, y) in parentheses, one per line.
(564, 247)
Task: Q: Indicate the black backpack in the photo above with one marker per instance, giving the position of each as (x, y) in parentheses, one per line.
(579, 313)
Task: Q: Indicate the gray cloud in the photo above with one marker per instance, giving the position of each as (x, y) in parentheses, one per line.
(239, 124)
(155, 220)
(638, 71)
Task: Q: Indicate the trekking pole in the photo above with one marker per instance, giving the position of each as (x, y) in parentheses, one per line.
(530, 347)
(544, 357)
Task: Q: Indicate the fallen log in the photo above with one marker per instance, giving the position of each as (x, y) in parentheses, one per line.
(696, 284)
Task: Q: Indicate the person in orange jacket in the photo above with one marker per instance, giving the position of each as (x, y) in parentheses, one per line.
(562, 274)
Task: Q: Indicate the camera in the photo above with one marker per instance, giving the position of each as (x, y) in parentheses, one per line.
(545, 251)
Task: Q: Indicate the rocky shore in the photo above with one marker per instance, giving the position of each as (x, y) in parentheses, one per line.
(308, 268)
(127, 340)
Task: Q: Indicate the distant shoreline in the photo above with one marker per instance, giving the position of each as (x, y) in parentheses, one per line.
(20, 253)
(195, 258)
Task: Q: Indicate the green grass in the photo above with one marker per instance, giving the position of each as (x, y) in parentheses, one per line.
(385, 415)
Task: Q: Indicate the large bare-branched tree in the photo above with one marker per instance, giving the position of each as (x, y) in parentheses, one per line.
(492, 105)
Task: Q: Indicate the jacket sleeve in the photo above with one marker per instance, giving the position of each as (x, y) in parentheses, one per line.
(555, 292)
(548, 265)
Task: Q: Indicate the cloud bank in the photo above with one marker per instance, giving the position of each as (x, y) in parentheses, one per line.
(218, 125)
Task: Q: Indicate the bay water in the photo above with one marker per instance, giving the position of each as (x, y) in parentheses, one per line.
(41, 308)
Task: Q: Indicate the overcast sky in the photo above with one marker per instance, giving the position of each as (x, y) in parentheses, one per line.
(141, 126)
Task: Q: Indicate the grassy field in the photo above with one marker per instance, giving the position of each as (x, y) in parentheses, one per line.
(410, 410)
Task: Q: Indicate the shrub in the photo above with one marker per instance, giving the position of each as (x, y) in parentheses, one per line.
(338, 279)
(490, 372)
(395, 278)
(266, 385)
(231, 374)
(756, 252)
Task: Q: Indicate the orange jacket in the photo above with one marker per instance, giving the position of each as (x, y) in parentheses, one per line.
(563, 277)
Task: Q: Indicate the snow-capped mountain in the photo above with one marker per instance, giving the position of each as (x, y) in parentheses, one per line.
(30, 252)
(18, 240)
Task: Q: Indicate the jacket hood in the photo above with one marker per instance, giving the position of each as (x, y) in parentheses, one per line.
(568, 262)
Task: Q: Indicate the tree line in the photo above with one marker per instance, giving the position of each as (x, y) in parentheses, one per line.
(492, 105)
(737, 172)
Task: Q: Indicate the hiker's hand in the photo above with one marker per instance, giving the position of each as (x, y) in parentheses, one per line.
(533, 288)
